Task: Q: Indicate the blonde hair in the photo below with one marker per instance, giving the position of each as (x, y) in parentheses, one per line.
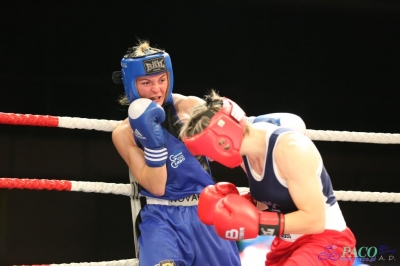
(198, 120)
(140, 49)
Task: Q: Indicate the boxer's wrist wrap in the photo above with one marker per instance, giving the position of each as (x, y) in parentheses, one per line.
(156, 157)
(271, 223)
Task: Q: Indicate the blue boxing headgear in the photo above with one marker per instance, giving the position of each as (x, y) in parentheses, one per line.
(155, 61)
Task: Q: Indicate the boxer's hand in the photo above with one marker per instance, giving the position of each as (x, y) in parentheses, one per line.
(236, 218)
(145, 117)
(209, 198)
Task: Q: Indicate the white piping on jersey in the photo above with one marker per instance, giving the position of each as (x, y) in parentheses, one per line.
(269, 128)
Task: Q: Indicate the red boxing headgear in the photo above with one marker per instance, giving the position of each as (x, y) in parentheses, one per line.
(222, 138)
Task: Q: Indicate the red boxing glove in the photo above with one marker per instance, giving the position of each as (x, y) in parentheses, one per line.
(210, 196)
(236, 218)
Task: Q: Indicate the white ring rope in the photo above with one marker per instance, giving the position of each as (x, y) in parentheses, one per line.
(100, 187)
(322, 135)
(127, 190)
(89, 124)
(367, 196)
(129, 262)
(388, 197)
(110, 125)
(330, 135)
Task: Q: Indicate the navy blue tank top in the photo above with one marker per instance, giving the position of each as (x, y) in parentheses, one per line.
(270, 191)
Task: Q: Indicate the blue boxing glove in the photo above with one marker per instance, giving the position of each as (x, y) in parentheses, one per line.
(145, 117)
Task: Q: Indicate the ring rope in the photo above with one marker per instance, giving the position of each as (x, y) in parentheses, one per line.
(129, 262)
(347, 136)
(110, 125)
(126, 189)
(62, 121)
(367, 196)
(83, 186)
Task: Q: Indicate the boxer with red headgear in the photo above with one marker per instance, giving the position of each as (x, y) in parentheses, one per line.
(222, 138)
(286, 175)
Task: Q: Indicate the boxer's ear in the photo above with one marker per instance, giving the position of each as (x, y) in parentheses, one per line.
(117, 77)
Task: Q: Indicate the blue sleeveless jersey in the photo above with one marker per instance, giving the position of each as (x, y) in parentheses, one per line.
(174, 235)
(185, 175)
(270, 191)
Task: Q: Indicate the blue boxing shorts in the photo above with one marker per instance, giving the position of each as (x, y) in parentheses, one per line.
(174, 235)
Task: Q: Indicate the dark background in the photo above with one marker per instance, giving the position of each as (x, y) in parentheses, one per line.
(334, 63)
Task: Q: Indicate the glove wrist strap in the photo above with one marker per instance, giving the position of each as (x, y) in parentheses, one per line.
(155, 157)
(271, 223)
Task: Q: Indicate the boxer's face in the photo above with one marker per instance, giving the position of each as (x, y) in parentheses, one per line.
(153, 87)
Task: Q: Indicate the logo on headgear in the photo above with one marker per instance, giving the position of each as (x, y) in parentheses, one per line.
(155, 65)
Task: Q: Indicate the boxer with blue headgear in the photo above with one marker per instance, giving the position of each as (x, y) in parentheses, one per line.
(146, 61)
(170, 177)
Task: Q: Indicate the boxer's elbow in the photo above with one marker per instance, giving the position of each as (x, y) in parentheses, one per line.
(158, 192)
